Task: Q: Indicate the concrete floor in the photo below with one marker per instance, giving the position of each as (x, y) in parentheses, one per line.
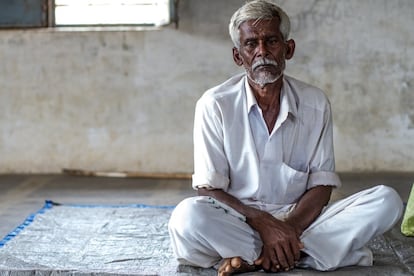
(21, 195)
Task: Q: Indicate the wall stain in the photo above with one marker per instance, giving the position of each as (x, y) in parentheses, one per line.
(407, 101)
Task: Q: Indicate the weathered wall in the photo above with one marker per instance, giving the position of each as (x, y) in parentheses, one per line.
(125, 100)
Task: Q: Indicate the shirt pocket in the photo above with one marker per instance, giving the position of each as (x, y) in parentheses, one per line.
(293, 183)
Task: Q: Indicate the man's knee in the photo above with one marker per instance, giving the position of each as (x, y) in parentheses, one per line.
(181, 214)
(391, 202)
(391, 198)
(187, 227)
(186, 216)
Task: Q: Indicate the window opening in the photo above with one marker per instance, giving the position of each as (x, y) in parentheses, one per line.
(113, 12)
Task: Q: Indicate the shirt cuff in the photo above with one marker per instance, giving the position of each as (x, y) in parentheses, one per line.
(323, 179)
(210, 180)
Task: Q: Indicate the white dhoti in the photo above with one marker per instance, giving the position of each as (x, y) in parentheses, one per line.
(203, 232)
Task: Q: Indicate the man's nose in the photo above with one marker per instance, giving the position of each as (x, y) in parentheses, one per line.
(262, 49)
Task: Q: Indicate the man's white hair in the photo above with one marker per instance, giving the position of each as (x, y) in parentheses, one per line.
(258, 10)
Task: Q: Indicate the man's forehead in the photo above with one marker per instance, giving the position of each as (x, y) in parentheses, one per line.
(257, 26)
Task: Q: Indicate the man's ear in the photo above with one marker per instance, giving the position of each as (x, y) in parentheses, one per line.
(290, 48)
(236, 57)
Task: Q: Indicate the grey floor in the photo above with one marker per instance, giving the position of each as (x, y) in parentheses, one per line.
(21, 195)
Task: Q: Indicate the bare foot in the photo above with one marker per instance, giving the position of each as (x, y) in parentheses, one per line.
(235, 265)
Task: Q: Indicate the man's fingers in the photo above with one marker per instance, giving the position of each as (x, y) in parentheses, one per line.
(296, 247)
(280, 253)
(293, 254)
(268, 260)
(275, 265)
(288, 255)
(282, 257)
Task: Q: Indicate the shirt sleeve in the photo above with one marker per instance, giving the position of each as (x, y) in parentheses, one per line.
(322, 166)
(211, 168)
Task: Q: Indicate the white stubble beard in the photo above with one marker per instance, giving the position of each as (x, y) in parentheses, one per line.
(262, 78)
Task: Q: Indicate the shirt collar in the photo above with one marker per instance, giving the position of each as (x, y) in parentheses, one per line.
(250, 98)
(287, 99)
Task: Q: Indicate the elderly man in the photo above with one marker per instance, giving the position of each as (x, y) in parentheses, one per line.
(264, 168)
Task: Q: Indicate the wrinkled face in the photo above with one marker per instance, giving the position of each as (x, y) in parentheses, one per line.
(263, 51)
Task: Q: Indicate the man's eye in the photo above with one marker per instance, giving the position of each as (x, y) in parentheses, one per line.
(272, 41)
(250, 44)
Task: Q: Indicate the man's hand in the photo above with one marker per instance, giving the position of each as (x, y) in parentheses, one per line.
(281, 239)
(281, 243)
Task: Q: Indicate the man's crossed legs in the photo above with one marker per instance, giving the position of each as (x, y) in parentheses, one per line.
(204, 234)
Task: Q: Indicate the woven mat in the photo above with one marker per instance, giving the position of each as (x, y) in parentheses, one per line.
(133, 240)
(89, 239)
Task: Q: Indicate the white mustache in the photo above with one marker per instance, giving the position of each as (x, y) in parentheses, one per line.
(264, 61)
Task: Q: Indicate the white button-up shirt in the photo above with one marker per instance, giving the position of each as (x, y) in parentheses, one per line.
(234, 151)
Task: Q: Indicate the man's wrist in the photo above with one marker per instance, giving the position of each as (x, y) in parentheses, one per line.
(295, 223)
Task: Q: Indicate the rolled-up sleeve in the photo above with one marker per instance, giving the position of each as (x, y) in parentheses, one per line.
(324, 179)
(210, 180)
(322, 167)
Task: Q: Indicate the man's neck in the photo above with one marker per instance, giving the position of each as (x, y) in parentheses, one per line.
(267, 97)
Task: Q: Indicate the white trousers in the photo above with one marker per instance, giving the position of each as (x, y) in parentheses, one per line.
(202, 233)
